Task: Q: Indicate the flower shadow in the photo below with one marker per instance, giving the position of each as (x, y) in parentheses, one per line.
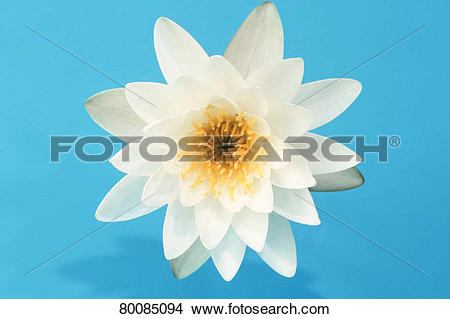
(138, 270)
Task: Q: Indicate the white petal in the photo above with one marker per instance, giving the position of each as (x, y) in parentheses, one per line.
(179, 229)
(167, 127)
(278, 81)
(260, 125)
(235, 204)
(251, 101)
(171, 128)
(190, 196)
(327, 98)
(296, 175)
(177, 51)
(296, 205)
(212, 107)
(288, 120)
(172, 166)
(212, 221)
(221, 101)
(228, 255)
(222, 76)
(191, 260)
(189, 93)
(110, 110)
(323, 164)
(251, 227)
(151, 101)
(279, 251)
(123, 201)
(338, 181)
(161, 187)
(130, 160)
(262, 200)
(259, 40)
(278, 147)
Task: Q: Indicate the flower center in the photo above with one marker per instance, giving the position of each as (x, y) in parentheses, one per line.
(226, 160)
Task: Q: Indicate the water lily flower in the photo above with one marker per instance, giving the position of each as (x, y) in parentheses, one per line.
(218, 208)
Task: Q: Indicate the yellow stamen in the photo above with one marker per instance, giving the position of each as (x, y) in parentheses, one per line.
(226, 167)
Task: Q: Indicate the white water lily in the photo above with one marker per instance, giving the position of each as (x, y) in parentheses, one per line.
(215, 209)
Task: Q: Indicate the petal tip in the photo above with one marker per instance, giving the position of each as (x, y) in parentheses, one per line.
(228, 275)
(90, 99)
(358, 158)
(175, 273)
(361, 176)
(259, 248)
(97, 217)
(290, 273)
(103, 219)
(354, 85)
(162, 23)
(169, 255)
(227, 278)
(163, 20)
(268, 5)
(313, 181)
(357, 86)
(209, 244)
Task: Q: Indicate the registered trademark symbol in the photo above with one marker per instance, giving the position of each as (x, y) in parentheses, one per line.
(394, 141)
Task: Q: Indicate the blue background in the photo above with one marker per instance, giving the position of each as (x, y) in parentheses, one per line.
(403, 205)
